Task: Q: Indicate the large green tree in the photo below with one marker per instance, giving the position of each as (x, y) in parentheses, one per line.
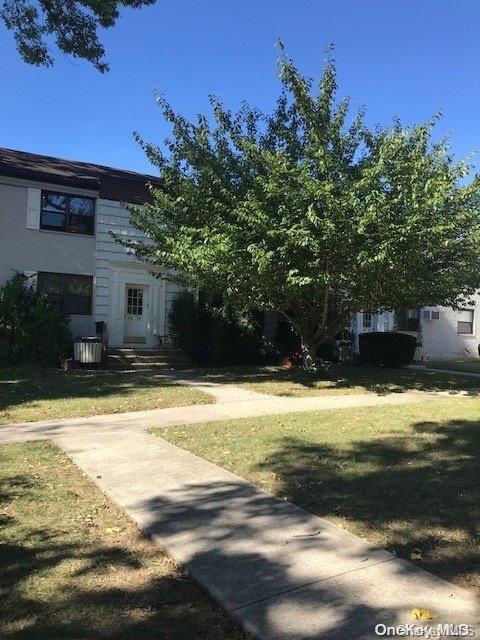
(311, 215)
(71, 24)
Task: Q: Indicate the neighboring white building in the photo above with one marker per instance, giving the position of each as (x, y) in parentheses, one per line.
(442, 333)
(56, 220)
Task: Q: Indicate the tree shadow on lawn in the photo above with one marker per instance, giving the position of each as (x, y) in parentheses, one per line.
(91, 591)
(83, 606)
(411, 494)
(213, 524)
(345, 377)
(21, 386)
(263, 556)
(80, 600)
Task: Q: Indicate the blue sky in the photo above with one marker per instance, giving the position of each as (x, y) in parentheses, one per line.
(396, 57)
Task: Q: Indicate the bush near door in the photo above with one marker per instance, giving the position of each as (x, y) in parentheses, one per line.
(211, 335)
(387, 349)
(33, 330)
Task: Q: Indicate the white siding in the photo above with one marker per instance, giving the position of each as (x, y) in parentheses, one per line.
(111, 217)
(32, 249)
(112, 264)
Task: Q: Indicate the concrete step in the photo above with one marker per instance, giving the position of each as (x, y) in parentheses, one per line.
(145, 363)
(159, 356)
(145, 352)
(165, 367)
(146, 359)
(148, 365)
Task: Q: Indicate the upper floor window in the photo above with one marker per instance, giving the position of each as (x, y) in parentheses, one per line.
(465, 321)
(70, 293)
(68, 213)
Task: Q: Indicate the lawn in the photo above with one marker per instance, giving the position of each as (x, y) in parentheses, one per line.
(405, 476)
(74, 566)
(469, 366)
(337, 380)
(42, 394)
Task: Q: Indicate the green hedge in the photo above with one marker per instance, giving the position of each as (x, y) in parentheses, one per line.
(32, 331)
(387, 349)
(211, 336)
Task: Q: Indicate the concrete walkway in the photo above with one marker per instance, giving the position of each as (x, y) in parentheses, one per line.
(283, 573)
(232, 402)
(453, 372)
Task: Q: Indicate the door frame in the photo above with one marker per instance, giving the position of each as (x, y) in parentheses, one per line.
(135, 274)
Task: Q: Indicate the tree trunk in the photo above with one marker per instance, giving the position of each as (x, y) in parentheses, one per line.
(309, 351)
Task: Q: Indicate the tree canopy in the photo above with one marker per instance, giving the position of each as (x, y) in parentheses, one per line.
(310, 214)
(72, 24)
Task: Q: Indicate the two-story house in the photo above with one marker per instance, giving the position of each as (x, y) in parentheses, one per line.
(56, 219)
(56, 222)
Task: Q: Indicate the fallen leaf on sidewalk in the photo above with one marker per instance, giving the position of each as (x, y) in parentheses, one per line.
(114, 529)
(422, 614)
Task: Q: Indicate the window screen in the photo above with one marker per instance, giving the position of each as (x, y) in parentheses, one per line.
(465, 321)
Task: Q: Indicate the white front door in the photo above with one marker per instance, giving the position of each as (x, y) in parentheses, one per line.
(136, 305)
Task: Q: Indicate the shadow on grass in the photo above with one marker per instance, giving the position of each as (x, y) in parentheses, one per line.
(344, 377)
(416, 494)
(20, 386)
(212, 525)
(82, 596)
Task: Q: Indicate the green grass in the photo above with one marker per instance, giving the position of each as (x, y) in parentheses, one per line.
(63, 576)
(28, 394)
(405, 477)
(337, 380)
(468, 366)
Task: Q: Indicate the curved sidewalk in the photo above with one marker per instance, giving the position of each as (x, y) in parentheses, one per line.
(282, 572)
(231, 402)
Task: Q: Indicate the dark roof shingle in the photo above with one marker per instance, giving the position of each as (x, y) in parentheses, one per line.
(111, 183)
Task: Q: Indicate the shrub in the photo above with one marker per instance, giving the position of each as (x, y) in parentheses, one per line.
(328, 351)
(387, 349)
(286, 341)
(189, 326)
(213, 336)
(33, 330)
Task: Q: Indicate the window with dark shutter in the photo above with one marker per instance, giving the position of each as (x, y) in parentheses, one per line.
(70, 293)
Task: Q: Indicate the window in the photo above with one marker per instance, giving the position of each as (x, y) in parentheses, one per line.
(408, 319)
(367, 320)
(68, 213)
(134, 302)
(72, 294)
(465, 321)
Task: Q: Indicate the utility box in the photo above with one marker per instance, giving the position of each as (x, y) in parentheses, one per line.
(87, 350)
